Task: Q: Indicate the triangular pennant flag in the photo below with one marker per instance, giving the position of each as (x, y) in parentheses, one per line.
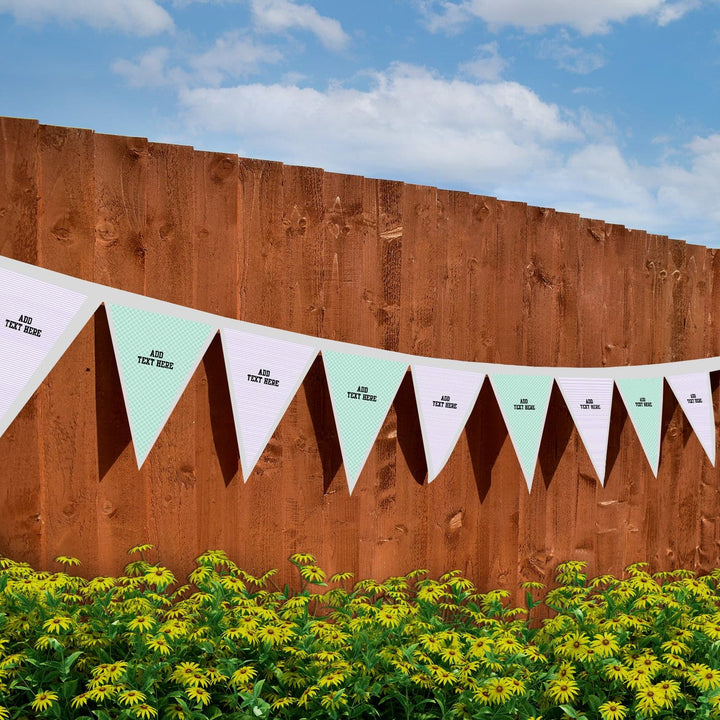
(589, 401)
(643, 400)
(38, 322)
(523, 401)
(156, 355)
(361, 389)
(264, 374)
(695, 397)
(445, 399)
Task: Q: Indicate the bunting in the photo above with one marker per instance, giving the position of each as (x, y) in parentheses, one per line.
(589, 401)
(445, 398)
(156, 355)
(159, 345)
(38, 322)
(361, 390)
(264, 374)
(643, 400)
(523, 401)
(695, 398)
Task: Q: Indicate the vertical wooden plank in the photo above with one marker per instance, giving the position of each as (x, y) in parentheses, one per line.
(689, 302)
(708, 552)
(300, 505)
(265, 249)
(216, 266)
(20, 491)
(508, 490)
(355, 310)
(69, 449)
(120, 247)
(452, 502)
(170, 471)
(549, 323)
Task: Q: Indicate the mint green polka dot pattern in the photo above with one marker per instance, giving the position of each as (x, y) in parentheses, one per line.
(643, 400)
(152, 391)
(525, 426)
(359, 420)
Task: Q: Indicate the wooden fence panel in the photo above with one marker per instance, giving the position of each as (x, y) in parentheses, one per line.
(374, 262)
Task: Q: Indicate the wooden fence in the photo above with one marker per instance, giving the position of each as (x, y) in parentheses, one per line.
(380, 263)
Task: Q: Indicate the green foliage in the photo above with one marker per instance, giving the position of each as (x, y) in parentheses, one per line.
(230, 645)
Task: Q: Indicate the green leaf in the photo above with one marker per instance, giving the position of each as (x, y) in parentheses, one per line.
(569, 711)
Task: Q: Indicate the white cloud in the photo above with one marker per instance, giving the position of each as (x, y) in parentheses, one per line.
(531, 15)
(571, 57)
(141, 17)
(281, 15)
(487, 63)
(497, 138)
(149, 71)
(410, 122)
(231, 56)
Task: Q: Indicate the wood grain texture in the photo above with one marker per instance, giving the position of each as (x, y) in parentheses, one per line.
(374, 262)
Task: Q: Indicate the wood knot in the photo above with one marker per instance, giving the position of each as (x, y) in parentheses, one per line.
(106, 232)
(166, 231)
(456, 521)
(62, 233)
(222, 169)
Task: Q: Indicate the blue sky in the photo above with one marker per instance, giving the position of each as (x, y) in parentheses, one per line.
(608, 109)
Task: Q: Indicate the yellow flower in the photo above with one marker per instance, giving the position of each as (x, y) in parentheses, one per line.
(649, 701)
(313, 574)
(612, 710)
(675, 647)
(57, 623)
(303, 559)
(605, 644)
(184, 671)
(638, 677)
(573, 646)
(243, 675)
(332, 679)
(199, 694)
(334, 701)
(131, 697)
(670, 690)
(159, 577)
(159, 644)
(562, 691)
(508, 644)
(705, 678)
(282, 702)
(143, 623)
(231, 583)
(500, 691)
(175, 712)
(67, 560)
(44, 700)
(451, 656)
(144, 711)
(4, 713)
(140, 549)
(340, 577)
(478, 647)
(79, 700)
(442, 676)
(100, 692)
(273, 634)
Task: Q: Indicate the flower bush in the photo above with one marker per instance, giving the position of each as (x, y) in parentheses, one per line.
(230, 645)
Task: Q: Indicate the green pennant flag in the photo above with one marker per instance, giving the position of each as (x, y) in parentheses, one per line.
(361, 389)
(523, 401)
(643, 399)
(156, 355)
